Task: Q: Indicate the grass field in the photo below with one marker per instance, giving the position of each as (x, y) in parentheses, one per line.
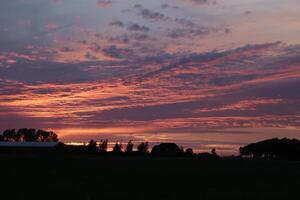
(147, 178)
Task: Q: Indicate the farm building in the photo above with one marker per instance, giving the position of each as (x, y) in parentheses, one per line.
(28, 148)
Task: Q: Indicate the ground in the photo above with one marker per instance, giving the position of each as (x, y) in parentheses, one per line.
(89, 178)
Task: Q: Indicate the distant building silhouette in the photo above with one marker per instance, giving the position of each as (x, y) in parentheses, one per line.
(28, 148)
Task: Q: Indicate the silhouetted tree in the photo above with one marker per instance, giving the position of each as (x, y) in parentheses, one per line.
(189, 152)
(103, 146)
(10, 135)
(182, 149)
(46, 136)
(143, 148)
(166, 149)
(273, 149)
(129, 147)
(117, 148)
(92, 147)
(29, 135)
(214, 153)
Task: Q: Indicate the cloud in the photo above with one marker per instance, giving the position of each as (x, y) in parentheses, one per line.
(201, 2)
(140, 37)
(117, 23)
(120, 39)
(104, 3)
(185, 22)
(90, 56)
(58, 2)
(130, 26)
(164, 6)
(67, 49)
(116, 52)
(136, 27)
(52, 26)
(187, 33)
(253, 86)
(95, 47)
(149, 14)
(248, 12)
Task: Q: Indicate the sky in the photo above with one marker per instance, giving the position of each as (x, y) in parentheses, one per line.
(201, 73)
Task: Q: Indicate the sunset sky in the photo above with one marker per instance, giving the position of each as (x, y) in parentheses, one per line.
(201, 73)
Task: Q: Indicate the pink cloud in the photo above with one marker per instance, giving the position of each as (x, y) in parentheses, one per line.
(104, 3)
(58, 2)
(51, 26)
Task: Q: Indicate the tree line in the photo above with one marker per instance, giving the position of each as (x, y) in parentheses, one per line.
(118, 148)
(101, 147)
(267, 149)
(163, 149)
(275, 148)
(28, 135)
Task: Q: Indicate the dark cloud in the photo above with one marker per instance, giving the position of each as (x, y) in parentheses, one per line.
(136, 27)
(248, 12)
(187, 33)
(140, 37)
(116, 52)
(130, 26)
(191, 30)
(90, 56)
(163, 6)
(149, 14)
(67, 49)
(185, 22)
(95, 47)
(117, 23)
(121, 39)
(32, 72)
(137, 6)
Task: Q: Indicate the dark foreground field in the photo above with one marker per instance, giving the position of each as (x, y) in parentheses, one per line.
(147, 178)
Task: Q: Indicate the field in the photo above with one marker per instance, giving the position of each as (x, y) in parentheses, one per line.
(88, 178)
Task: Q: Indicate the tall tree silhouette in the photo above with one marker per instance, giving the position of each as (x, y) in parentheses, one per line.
(117, 148)
(92, 147)
(129, 147)
(103, 146)
(143, 148)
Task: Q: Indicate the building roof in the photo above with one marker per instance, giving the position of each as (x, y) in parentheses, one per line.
(28, 144)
